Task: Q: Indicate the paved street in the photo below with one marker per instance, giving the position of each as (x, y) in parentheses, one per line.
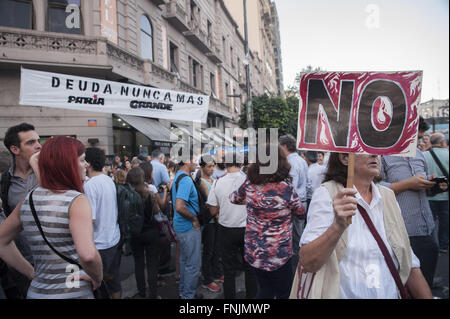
(170, 291)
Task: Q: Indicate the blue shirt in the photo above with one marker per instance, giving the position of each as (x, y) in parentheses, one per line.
(160, 174)
(413, 204)
(299, 173)
(433, 168)
(187, 192)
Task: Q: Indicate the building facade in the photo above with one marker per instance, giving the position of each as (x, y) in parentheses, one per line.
(435, 113)
(264, 43)
(182, 45)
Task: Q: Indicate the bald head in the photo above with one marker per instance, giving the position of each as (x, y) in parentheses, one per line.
(437, 139)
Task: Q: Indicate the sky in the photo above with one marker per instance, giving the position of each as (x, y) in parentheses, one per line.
(368, 35)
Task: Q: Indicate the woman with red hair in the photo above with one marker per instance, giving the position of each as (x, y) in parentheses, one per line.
(65, 216)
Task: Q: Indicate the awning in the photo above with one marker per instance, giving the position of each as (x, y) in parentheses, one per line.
(150, 128)
(189, 131)
(207, 135)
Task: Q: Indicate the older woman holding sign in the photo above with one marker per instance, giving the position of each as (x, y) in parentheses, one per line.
(369, 258)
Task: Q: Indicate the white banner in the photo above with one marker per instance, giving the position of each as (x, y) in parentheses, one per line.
(56, 90)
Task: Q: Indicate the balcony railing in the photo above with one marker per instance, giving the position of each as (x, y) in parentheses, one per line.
(175, 14)
(215, 54)
(197, 36)
(48, 48)
(219, 107)
(50, 42)
(159, 2)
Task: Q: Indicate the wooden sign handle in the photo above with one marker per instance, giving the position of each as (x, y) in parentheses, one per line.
(350, 177)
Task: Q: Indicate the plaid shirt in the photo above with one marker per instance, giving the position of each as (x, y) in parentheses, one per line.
(413, 204)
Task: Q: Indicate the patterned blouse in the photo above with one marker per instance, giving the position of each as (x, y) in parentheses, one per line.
(268, 235)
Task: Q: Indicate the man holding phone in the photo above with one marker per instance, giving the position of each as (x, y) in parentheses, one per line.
(409, 178)
(438, 163)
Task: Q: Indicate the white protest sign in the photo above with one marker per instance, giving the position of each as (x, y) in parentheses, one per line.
(56, 90)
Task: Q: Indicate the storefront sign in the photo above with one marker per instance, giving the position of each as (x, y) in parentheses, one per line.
(55, 90)
(375, 113)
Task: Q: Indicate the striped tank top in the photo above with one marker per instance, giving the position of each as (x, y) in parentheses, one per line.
(52, 275)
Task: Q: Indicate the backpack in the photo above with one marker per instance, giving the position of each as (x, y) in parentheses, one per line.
(204, 215)
(130, 212)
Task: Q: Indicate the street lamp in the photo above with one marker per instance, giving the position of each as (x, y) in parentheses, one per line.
(247, 69)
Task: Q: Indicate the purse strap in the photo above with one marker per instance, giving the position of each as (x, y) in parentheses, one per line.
(38, 224)
(438, 162)
(387, 256)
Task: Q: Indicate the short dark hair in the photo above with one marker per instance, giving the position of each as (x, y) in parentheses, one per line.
(205, 160)
(312, 156)
(289, 141)
(234, 162)
(156, 154)
(12, 135)
(282, 173)
(180, 154)
(96, 158)
(423, 126)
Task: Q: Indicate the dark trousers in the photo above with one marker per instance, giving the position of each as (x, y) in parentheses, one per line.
(232, 247)
(440, 212)
(275, 283)
(426, 249)
(146, 251)
(165, 256)
(211, 267)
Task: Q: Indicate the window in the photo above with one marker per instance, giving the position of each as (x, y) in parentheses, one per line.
(234, 99)
(224, 48)
(173, 52)
(194, 11)
(209, 28)
(196, 73)
(146, 38)
(227, 92)
(16, 14)
(212, 83)
(64, 16)
(231, 57)
(239, 66)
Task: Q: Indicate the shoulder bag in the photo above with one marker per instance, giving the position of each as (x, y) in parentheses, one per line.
(436, 189)
(101, 292)
(387, 256)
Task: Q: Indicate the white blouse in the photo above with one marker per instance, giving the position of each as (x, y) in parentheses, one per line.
(363, 270)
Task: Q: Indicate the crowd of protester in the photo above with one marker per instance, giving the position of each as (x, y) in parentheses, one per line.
(224, 217)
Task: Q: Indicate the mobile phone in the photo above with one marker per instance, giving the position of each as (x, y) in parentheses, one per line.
(440, 179)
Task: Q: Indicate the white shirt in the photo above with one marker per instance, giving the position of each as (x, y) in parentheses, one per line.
(299, 173)
(316, 173)
(152, 188)
(363, 270)
(102, 195)
(230, 215)
(217, 173)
